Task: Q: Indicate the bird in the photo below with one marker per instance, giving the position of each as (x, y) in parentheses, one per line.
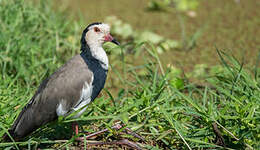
(71, 87)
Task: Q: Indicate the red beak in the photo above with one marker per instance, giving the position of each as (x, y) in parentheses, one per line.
(109, 38)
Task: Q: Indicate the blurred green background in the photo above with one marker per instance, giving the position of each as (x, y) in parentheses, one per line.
(231, 25)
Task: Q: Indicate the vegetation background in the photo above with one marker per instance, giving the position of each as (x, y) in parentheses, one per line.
(185, 77)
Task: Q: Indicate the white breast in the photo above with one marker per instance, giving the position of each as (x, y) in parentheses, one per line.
(85, 99)
(100, 54)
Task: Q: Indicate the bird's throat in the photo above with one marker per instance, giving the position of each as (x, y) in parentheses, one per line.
(98, 53)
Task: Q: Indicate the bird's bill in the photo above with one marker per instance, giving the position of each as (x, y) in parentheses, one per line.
(109, 38)
(115, 41)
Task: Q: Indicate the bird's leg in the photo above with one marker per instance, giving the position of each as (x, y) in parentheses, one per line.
(75, 127)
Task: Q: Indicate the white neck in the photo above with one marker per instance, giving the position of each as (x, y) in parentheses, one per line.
(99, 53)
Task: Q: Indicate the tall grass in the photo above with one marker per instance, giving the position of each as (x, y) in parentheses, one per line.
(35, 40)
(31, 37)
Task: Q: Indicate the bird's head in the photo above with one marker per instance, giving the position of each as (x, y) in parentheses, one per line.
(95, 35)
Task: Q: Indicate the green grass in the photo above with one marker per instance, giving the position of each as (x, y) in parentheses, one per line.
(165, 109)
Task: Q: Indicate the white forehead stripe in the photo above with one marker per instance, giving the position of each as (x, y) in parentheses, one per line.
(104, 27)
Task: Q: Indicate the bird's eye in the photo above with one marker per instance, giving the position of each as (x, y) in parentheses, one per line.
(96, 29)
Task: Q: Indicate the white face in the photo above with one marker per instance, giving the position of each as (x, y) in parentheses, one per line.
(98, 34)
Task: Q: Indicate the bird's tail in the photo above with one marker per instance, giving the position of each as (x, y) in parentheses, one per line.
(31, 118)
(20, 128)
(8, 138)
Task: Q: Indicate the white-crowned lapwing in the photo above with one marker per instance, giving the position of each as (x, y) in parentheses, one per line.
(71, 87)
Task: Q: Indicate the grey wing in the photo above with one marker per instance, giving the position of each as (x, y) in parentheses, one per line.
(72, 86)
